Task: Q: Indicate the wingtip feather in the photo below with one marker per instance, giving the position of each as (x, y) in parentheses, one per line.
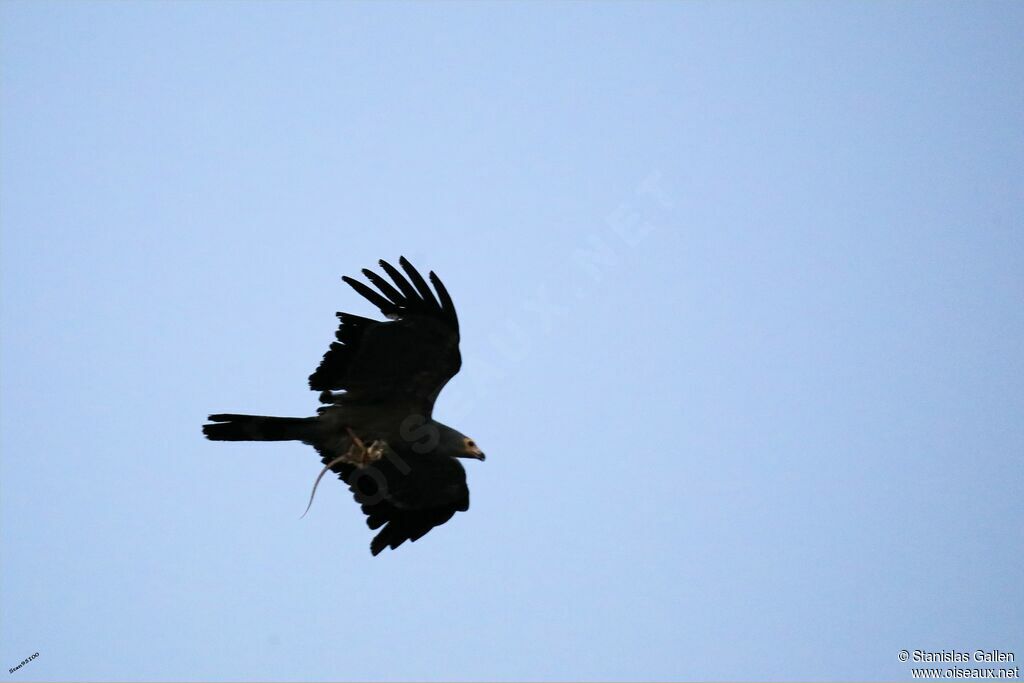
(421, 286)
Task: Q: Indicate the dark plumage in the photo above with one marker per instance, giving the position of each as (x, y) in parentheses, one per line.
(379, 381)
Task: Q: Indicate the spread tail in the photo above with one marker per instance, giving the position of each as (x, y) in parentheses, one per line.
(230, 427)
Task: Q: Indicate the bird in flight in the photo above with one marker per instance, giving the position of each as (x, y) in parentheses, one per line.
(376, 431)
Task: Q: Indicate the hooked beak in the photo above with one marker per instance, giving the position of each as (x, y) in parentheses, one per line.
(471, 450)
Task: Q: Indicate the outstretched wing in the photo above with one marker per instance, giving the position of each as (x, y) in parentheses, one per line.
(407, 496)
(408, 503)
(409, 358)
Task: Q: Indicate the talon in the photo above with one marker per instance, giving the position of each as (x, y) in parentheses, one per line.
(363, 455)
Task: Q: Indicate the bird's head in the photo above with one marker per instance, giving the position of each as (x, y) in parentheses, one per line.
(471, 450)
(457, 444)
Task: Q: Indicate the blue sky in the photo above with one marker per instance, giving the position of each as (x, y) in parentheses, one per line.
(740, 289)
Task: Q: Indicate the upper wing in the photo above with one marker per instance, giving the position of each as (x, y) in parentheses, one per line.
(410, 357)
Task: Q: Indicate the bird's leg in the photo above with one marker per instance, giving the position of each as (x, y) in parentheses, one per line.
(357, 443)
(357, 457)
(360, 454)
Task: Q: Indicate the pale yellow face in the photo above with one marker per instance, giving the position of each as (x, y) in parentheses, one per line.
(471, 449)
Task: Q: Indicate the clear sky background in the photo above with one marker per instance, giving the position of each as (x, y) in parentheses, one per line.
(740, 289)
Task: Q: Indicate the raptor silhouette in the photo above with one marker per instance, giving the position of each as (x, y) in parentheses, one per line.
(378, 382)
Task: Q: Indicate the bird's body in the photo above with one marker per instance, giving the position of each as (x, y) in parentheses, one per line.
(376, 431)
